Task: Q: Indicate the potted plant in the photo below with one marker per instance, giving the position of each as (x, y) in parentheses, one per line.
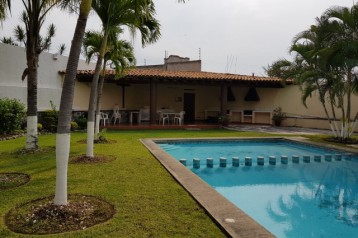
(224, 119)
(278, 116)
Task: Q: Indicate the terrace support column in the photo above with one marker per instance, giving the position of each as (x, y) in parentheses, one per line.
(153, 102)
(223, 99)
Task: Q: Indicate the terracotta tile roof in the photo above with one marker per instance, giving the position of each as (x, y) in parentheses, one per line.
(182, 75)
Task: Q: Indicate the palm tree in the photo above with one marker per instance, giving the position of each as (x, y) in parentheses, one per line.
(324, 60)
(9, 40)
(119, 55)
(344, 53)
(63, 135)
(136, 15)
(33, 18)
(61, 49)
(307, 68)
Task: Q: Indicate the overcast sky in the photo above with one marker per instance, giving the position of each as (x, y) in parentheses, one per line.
(235, 36)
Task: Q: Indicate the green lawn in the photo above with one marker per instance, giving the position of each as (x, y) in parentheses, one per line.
(148, 201)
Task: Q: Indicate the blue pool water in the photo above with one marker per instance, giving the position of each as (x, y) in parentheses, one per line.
(316, 199)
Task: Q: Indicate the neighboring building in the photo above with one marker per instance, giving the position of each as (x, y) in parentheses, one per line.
(176, 63)
(203, 95)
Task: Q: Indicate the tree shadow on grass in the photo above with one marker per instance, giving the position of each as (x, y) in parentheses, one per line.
(100, 140)
(39, 150)
(83, 159)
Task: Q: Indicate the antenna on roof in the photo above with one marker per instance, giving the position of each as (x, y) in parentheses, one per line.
(199, 53)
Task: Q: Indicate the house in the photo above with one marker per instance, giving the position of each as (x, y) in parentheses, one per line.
(178, 84)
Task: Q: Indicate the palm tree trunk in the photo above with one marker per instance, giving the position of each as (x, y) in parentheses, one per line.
(343, 120)
(93, 97)
(321, 99)
(335, 128)
(63, 135)
(349, 94)
(91, 110)
(354, 125)
(32, 135)
(99, 98)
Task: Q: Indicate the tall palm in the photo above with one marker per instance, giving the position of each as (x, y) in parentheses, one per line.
(119, 55)
(63, 136)
(136, 15)
(33, 18)
(312, 51)
(344, 51)
(309, 69)
(324, 59)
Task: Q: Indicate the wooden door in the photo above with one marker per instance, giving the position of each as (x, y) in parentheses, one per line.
(189, 107)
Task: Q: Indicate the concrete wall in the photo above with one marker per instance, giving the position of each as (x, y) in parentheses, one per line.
(176, 59)
(194, 65)
(12, 65)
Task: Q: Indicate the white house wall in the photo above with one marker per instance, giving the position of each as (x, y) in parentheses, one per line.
(12, 65)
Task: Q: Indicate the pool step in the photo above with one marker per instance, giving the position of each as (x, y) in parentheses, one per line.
(260, 160)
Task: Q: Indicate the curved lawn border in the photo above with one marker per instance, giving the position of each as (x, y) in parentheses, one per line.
(13, 180)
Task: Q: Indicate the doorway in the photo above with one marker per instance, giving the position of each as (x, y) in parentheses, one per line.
(189, 107)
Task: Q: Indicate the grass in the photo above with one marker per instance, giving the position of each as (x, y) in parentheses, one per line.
(148, 201)
(12, 180)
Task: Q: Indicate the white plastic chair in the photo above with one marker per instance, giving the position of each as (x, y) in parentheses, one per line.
(104, 117)
(116, 116)
(179, 117)
(163, 117)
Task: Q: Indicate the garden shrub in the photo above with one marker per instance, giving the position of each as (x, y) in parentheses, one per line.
(81, 122)
(12, 113)
(74, 126)
(39, 127)
(49, 120)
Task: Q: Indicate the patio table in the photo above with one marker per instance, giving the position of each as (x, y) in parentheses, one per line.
(131, 116)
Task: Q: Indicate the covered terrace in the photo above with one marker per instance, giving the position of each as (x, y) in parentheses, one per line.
(199, 94)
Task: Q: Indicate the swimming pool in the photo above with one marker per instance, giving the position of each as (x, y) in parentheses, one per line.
(304, 199)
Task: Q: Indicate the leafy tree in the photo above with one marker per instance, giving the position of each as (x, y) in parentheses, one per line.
(64, 121)
(63, 136)
(326, 60)
(344, 56)
(33, 18)
(61, 49)
(119, 55)
(9, 41)
(136, 15)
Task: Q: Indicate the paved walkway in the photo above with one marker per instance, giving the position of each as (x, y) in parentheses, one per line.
(278, 130)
